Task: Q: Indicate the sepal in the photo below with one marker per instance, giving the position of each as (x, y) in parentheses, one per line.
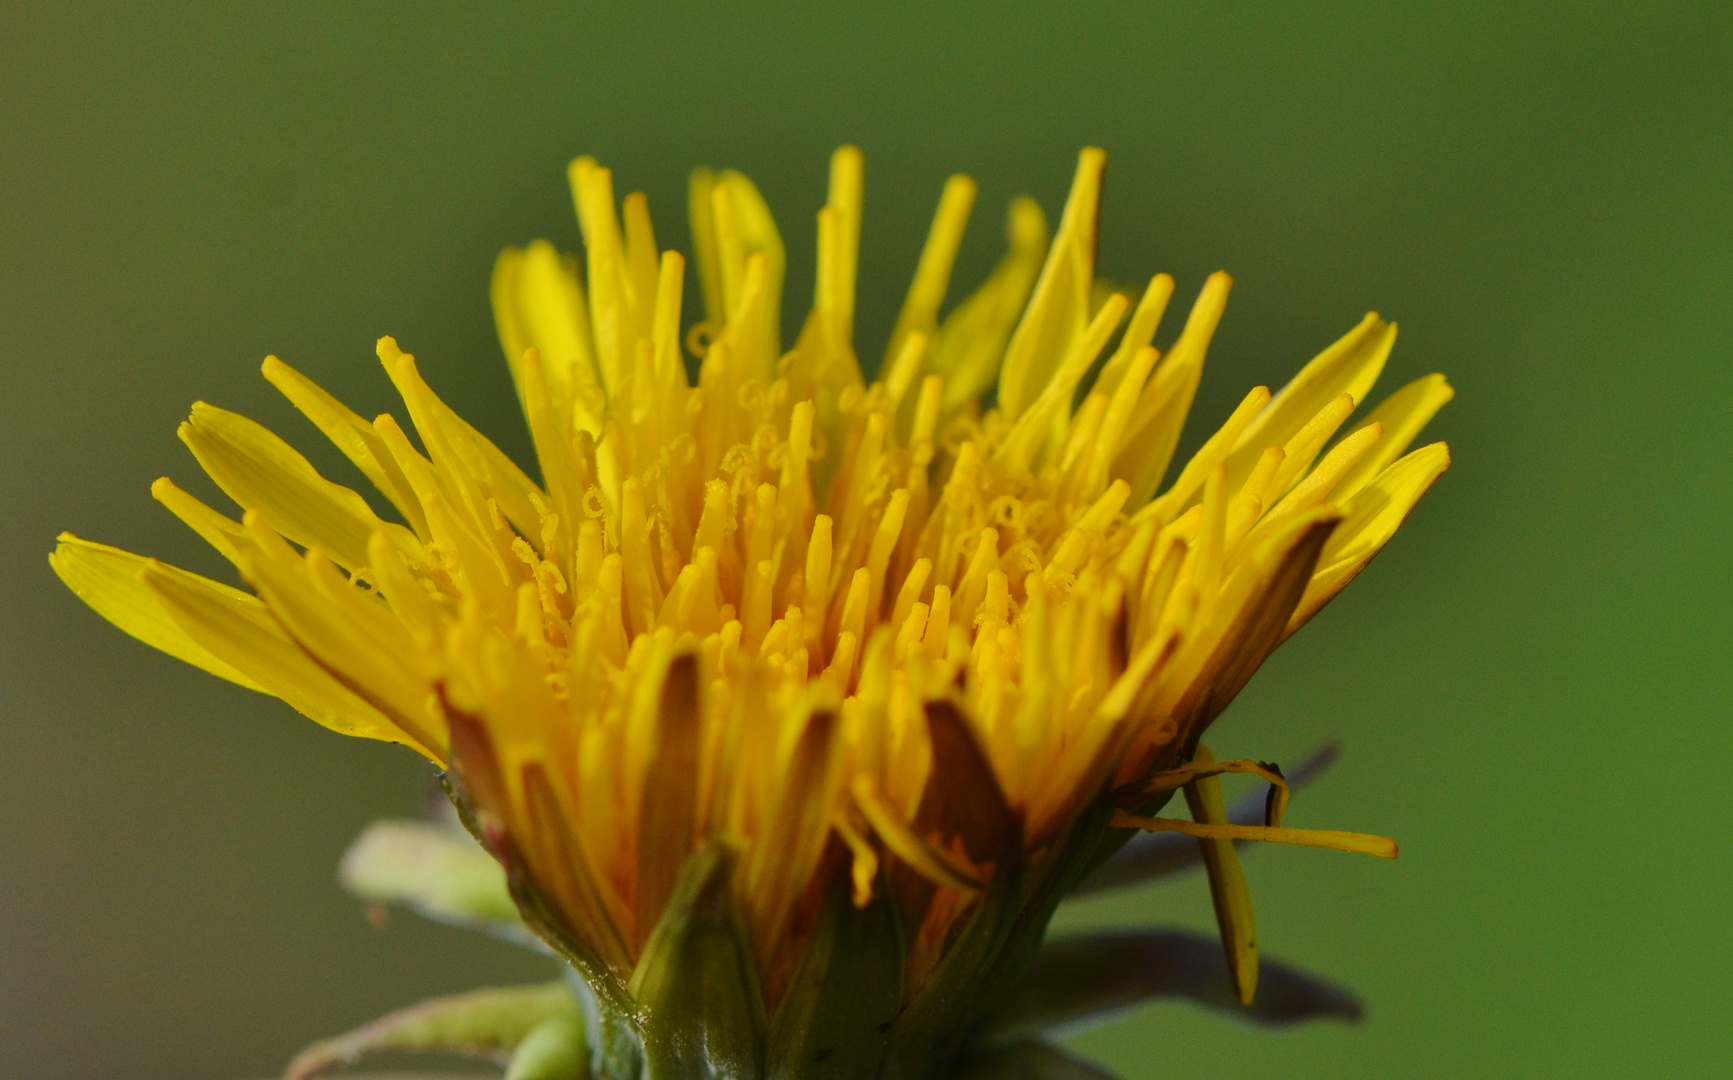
(1072, 857)
(476, 788)
(926, 1037)
(834, 1018)
(1083, 982)
(699, 1004)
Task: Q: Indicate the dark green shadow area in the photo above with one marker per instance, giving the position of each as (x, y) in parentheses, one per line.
(1531, 683)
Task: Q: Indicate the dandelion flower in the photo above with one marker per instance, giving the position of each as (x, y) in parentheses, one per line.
(793, 703)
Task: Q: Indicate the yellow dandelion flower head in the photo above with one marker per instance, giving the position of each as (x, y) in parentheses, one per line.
(898, 639)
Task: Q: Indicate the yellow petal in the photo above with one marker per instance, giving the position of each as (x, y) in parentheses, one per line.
(972, 339)
(1403, 415)
(1369, 520)
(246, 635)
(1212, 453)
(1159, 416)
(1059, 309)
(351, 434)
(223, 533)
(847, 184)
(262, 472)
(349, 651)
(1139, 332)
(920, 312)
(1018, 450)
(701, 219)
(567, 872)
(929, 860)
(539, 303)
(612, 317)
(107, 579)
(1256, 601)
(668, 811)
(464, 454)
(1349, 366)
(1359, 843)
(754, 232)
(786, 855)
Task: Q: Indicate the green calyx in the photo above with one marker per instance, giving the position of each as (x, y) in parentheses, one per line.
(694, 1005)
(838, 1012)
(701, 1012)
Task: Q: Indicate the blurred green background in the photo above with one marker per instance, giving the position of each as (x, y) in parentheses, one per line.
(1531, 684)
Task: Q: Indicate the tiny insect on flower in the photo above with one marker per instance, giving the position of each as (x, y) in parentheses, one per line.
(793, 703)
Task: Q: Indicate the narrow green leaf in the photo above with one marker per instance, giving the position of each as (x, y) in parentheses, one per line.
(483, 1023)
(435, 870)
(1083, 982)
(1032, 1060)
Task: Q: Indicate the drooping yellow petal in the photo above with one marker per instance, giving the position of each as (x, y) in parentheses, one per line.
(108, 580)
(935, 863)
(248, 637)
(348, 649)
